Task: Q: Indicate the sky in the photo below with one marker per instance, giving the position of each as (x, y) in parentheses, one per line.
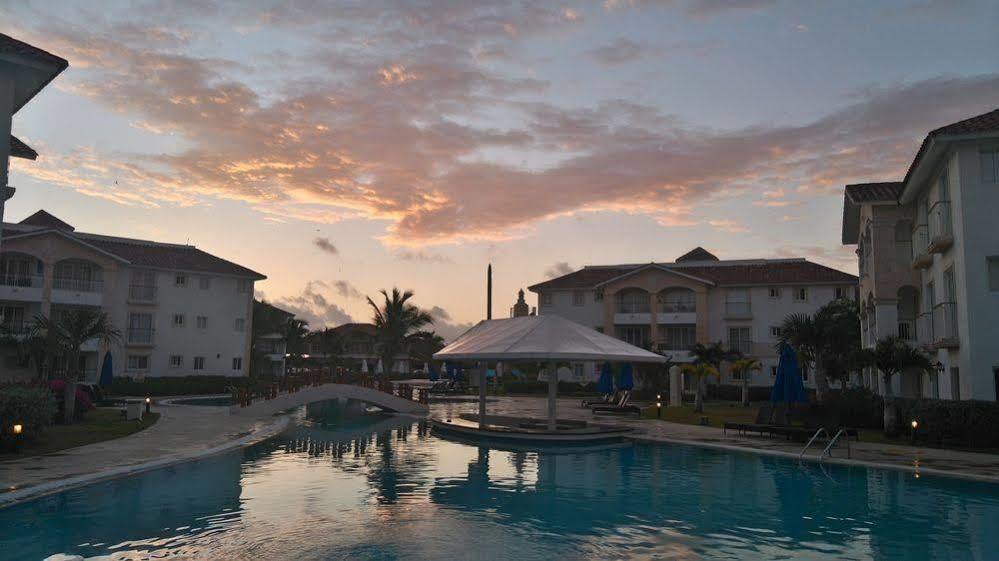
(341, 148)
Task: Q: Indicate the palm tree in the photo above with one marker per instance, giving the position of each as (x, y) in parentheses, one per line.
(68, 333)
(744, 367)
(700, 371)
(713, 354)
(892, 355)
(805, 335)
(328, 342)
(395, 322)
(423, 345)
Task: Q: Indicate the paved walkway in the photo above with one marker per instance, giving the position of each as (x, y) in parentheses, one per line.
(182, 432)
(187, 431)
(923, 460)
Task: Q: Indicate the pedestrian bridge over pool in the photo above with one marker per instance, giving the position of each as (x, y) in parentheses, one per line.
(325, 392)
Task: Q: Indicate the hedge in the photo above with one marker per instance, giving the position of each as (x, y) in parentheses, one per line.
(177, 385)
(32, 407)
(729, 392)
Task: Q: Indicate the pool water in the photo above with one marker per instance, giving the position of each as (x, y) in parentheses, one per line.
(343, 484)
(222, 401)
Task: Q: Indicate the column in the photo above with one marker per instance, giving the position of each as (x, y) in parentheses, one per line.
(482, 396)
(6, 110)
(552, 393)
(653, 319)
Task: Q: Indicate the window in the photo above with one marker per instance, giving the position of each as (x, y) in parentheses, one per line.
(76, 275)
(599, 328)
(176, 361)
(240, 324)
(677, 300)
(199, 363)
(773, 371)
(934, 383)
(955, 383)
(142, 286)
(634, 335)
(737, 302)
(140, 328)
(740, 339)
(577, 370)
(801, 294)
(12, 317)
(178, 320)
(237, 363)
(993, 267)
(202, 322)
(598, 296)
(841, 292)
(990, 165)
(546, 298)
(677, 337)
(243, 285)
(578, 298)
(633, 301)
(180, 280)
(775, 332)
(205, 283)
(774, 293)
(137, 362)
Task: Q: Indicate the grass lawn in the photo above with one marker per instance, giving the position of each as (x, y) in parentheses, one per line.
(96, 426)
(717, 412)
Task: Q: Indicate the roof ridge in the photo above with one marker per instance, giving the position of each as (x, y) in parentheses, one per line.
(135, 241)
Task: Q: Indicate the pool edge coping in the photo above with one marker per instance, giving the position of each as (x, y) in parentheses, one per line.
(919, 471)
(17, 496)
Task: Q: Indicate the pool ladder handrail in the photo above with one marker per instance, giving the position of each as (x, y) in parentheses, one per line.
(827, 451)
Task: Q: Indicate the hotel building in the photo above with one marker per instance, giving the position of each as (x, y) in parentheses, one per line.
(929, 260)
(180, 311)
(698, 298)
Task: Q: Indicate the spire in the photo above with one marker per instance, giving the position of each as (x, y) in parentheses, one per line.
(489, 292)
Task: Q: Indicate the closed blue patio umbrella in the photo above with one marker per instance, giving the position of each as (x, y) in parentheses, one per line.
(606, 382)
(788, 387)
(432, 373)
(450, 371)
(626, 380)
(106, 372)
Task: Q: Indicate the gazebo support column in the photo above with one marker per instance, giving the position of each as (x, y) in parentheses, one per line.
(482, 397)
(552, 392)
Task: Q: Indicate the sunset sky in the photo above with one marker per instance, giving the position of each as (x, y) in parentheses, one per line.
(344, 147)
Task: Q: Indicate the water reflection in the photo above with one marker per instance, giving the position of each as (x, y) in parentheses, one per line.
(344, 483)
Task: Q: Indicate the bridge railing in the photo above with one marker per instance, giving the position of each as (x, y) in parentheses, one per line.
(292, 383)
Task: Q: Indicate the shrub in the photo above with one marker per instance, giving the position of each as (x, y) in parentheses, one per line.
(858, 407)
(968, 424)
(730, 392)
(83, 401)
(31, 407)
(177, 385)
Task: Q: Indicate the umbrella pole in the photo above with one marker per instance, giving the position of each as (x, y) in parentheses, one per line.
(482, 397)
(552, 391)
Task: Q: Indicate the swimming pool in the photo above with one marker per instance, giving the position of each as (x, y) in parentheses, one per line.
(341, 484)
(219, 401)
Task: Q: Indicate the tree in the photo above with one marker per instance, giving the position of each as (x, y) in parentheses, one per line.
(68, 333)
(713, 354)
(700, 371)
(329, 343)
(892, 355)
(839, 322)
(395, 322)
(423, 345)
(744, 367)
(805, 336)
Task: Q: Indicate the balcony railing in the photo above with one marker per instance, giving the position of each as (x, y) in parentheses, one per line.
(17, 328)
(924, 329)
(907, 329)
(632, 308)
(744, 347)
(738, 309)
(78, 285)
(141, 335)
(920, 246)
(945, 325)
(941, 228)
(677, 307)
(22, 281)
(141, 292)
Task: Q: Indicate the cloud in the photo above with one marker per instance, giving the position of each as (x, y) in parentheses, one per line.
(445, 326)
(728, 226)
(619, 51)
(347, 290)
(421, 256)
(558, 269)
(839, 256)
(326, 245)
(439, 314)
(314, 307)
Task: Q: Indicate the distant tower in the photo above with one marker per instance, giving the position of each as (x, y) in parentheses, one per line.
(520, 309)
(489, 292)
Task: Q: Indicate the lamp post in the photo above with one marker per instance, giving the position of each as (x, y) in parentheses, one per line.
(659, 406)
(17, 429)
(915, 425)
(149, 402)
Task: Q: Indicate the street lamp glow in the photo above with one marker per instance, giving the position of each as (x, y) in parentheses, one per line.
(18, 429)
(915, 424)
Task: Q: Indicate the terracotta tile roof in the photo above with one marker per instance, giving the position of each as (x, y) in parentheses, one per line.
(875, 192)
(765, 272)
(18, 149)
(11, 46)
(140, 253)
(355, 329)
(45, 220)
(986, 122)
(697, 254)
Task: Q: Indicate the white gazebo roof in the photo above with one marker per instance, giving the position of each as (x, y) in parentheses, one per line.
(540, 338)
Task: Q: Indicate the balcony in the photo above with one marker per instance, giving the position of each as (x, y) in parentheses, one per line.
(738, 310)
(140, 336)
(141, 293)
(632, 315)
(941, 228)
(907, 330)
(21, 288)
(921, 256)
(78, 292)
(945, 326)
(17, 329)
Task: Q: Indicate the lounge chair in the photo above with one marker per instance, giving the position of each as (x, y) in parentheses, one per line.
(620, 408)
(606, 399)
(768, 418)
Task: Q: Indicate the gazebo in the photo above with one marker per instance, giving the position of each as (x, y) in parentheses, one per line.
(539, 339)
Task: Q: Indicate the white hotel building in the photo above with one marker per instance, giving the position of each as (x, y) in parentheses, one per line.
(696, 299)
(928, 248)
(181, 311)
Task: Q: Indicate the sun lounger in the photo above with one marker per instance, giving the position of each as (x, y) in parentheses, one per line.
(606, 399)
(620, 408)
